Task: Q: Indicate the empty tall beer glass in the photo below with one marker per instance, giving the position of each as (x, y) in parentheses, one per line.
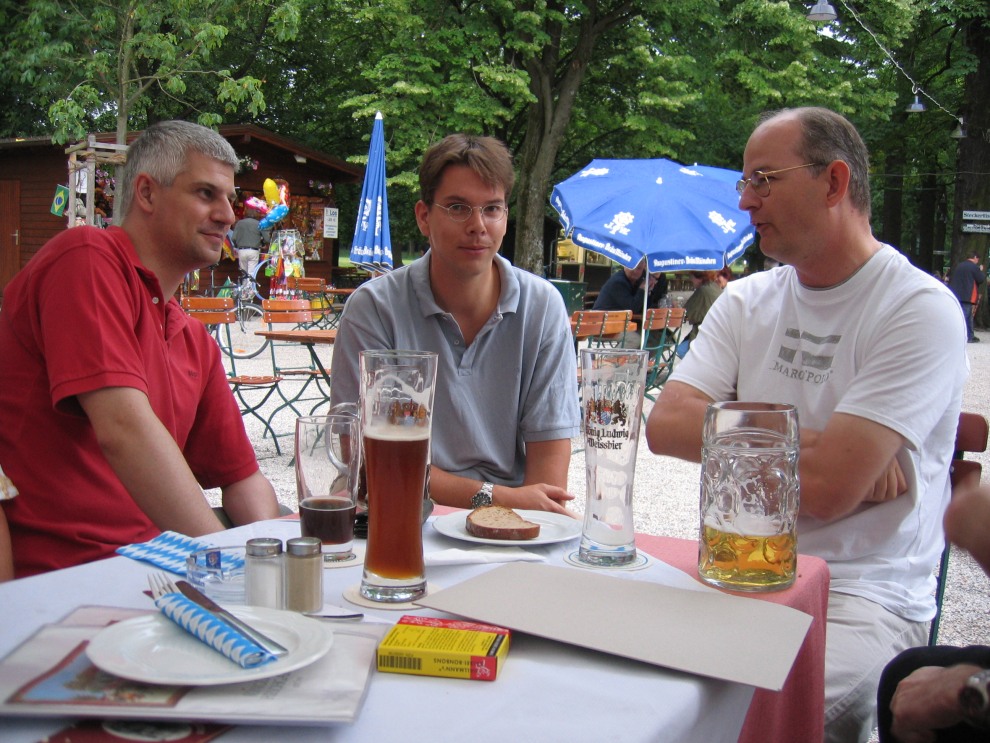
(612, 382)
(396, 419)
(749, 496)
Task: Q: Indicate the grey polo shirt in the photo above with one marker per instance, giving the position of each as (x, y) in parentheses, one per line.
(516, 382)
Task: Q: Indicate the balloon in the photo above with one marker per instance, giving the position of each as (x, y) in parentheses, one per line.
(274, 216)
(283, 192)
(257, 204)
(271, 192)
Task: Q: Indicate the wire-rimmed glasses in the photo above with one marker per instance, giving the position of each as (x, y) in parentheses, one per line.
(462, 212)
(761, 181)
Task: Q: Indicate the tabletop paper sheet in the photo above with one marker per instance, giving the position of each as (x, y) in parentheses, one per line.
(705, 632)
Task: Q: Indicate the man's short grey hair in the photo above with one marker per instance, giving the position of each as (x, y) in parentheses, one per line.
(161, 150)
(828, 136)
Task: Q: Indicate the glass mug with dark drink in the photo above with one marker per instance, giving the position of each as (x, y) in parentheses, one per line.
(396, 421)
(750, 496)
(328, 460)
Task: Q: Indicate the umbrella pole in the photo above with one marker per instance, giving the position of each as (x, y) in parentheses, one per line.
(646, 302)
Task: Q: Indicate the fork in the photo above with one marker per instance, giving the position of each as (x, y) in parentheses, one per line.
(161, 584)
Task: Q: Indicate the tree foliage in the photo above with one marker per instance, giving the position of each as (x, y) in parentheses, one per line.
(561, 81)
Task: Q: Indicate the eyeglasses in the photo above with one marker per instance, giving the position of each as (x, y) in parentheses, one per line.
(462, 212)
(761, 181)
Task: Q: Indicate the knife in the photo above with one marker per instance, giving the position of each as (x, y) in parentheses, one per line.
(194, 594)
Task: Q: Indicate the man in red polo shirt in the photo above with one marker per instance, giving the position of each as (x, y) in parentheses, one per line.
(116, 407)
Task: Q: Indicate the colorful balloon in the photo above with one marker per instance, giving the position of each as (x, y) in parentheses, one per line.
(271, 192)
(257, 204)
(274, 216)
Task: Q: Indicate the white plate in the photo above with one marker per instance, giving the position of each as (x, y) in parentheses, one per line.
(155, 650)
(554, 527)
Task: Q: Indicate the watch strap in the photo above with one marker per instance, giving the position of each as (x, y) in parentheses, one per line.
(974, 698)
(484, 496)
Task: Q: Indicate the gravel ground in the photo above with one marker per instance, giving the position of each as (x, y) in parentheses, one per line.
(666, 499)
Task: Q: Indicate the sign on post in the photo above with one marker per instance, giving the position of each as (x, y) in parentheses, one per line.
(330, 216)
(976, 227)
(976, 216)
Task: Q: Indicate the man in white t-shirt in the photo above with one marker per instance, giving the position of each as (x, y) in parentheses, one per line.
(871, 351)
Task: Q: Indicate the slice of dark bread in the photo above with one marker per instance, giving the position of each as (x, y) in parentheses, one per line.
(497, 522)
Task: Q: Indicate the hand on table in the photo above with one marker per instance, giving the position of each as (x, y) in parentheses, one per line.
(927, 700)
(536, 497)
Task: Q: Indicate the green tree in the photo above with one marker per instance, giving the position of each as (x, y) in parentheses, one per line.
(101, 60)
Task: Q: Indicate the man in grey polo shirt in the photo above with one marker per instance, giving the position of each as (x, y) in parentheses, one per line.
(506, 402)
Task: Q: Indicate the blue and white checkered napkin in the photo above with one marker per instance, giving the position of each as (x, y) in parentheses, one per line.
(212, 630)
(168, 550)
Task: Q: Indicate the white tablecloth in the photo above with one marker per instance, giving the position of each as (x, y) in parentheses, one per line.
(547, 691)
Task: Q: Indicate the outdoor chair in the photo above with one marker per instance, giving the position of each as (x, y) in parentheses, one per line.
(662, 330)
(971, 436)
(314, 290)
(601, 328)
(280, 314)
(219, 311)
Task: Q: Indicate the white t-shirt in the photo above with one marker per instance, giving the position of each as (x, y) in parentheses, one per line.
(887, 345)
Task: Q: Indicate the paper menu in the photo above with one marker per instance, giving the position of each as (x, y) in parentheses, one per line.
(49, 676)
(704, 632)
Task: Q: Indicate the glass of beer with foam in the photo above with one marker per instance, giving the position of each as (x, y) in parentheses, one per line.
(750, 496)
(396, 420)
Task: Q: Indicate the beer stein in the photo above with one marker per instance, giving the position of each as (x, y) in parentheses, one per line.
(612, 387)
(750, 496)
(397, 390)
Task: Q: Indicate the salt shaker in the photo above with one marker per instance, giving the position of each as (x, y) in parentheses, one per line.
(263, 573)
(304, 574)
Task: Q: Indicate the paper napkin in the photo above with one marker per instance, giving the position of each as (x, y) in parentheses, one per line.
(212, 630)
(168, 550)
(480, 556)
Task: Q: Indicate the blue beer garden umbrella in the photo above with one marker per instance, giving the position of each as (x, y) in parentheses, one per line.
(372, 246)
(679, 217)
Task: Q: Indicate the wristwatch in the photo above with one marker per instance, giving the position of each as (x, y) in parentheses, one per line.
(974, 698)
(483, 497)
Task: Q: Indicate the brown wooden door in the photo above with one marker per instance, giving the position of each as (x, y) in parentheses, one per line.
(10, 231)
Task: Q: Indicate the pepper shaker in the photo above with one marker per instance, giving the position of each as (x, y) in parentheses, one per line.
(263, 573)
(304, 574)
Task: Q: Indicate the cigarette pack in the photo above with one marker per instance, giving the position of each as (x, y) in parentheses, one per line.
(428, 646)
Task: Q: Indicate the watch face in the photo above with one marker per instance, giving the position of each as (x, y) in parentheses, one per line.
(481, 499)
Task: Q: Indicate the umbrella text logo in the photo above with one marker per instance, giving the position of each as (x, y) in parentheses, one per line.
(594, 171)
(726, 225)
(620, 223)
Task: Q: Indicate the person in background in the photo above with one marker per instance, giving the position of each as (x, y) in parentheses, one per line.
(506, 402)
(117, 411)
(834, 332)
(965, 282)
(624, 290)
(707, 288)
(942, 694)
(247, 240)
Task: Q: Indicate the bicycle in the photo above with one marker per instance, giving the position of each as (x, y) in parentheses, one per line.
(244, 343)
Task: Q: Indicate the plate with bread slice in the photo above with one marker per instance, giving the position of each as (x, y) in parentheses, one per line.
(505, 526)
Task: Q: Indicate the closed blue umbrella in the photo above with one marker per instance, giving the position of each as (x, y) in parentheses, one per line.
(679, 217)
(372, 246)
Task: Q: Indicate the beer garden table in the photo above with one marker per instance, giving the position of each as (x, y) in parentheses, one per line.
(309, 338)
(546, 691)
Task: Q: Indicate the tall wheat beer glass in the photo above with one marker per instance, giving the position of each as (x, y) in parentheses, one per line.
(612, 386)
(749, 496)
(396, 419)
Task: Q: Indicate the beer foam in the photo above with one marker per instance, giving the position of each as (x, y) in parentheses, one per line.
(386, 432)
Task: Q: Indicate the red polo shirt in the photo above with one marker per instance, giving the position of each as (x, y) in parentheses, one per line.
(83, 315)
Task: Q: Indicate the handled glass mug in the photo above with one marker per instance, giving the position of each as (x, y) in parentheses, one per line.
(750, 496)
(397, 389)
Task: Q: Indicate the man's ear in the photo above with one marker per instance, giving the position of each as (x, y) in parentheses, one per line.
(837, 176)
(145, 192)
(422, 211)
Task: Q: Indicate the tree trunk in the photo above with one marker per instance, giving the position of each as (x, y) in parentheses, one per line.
(973, 188)
(893, 197)
(926, 221)
(547, 121)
